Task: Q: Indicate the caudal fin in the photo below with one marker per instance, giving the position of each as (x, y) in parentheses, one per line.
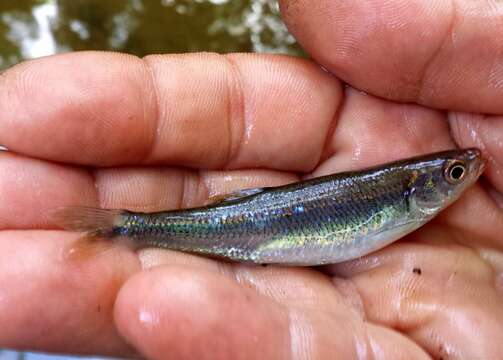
(92, 221)
(97, 224)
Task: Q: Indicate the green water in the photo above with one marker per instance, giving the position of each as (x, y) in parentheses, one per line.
(31, 28)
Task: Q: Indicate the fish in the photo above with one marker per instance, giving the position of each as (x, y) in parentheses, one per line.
(321, 220)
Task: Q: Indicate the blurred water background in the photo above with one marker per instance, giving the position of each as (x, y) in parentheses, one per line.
(34, 28)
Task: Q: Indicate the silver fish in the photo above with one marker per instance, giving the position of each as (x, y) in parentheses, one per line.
(323, 220)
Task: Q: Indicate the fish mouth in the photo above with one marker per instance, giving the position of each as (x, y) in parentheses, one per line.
(482, 167)
(478, 163)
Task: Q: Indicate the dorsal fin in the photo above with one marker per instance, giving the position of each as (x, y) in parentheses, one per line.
(233, 196)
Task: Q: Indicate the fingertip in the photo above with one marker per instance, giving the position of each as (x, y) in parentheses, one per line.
(81, 96)
(443, 54)
(182, 312)
(378, 46)
(52, 305)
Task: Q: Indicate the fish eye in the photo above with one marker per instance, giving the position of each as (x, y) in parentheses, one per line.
(455, 172)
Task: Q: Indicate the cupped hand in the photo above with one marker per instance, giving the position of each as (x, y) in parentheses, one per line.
(114, 131)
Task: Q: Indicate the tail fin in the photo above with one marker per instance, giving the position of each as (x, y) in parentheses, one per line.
(94, 222)
(98, 224)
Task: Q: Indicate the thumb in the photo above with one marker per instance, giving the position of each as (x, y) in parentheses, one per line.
(175, 312)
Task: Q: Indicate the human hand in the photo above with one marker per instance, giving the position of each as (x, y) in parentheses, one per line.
(95, 129)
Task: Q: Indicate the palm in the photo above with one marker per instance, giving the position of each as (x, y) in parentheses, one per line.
(116, 133)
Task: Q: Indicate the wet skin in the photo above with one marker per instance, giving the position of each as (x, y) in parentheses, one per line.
(96, 129)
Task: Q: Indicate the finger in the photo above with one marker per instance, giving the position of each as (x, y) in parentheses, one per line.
(198, 110)
(49, 304)
(444, 54)
(389, 131)
(165, 324)
(301, 290)
(156, 189)
(484, 132)
(386, 131)
(182, 318)
(438, 293)
(475, 213)
(31, 189)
